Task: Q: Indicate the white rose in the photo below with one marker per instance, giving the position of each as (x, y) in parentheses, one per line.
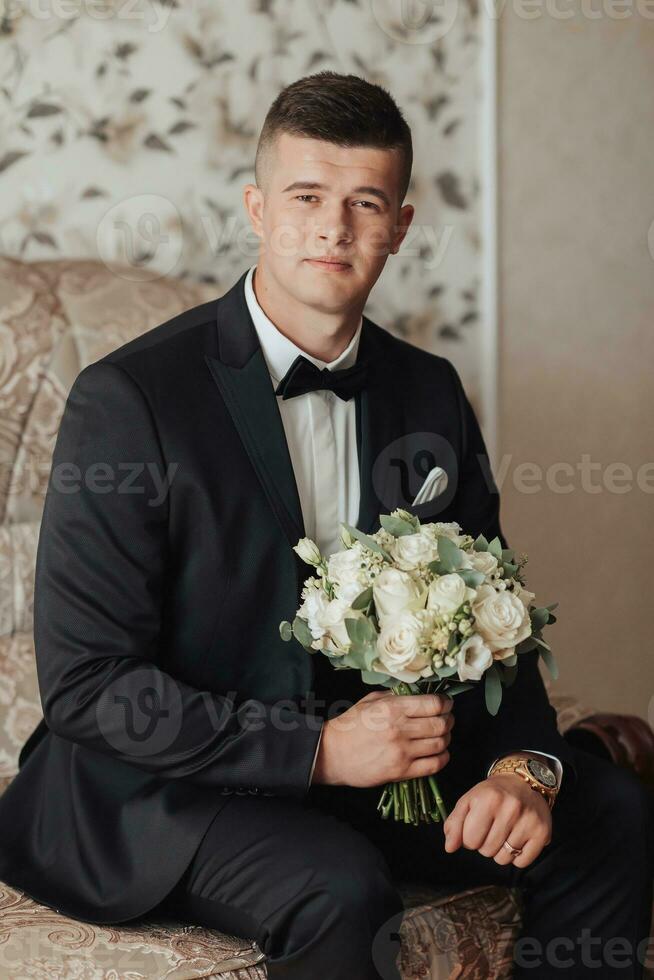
(394, 590)
(331, 620)
(308, 551)
(409, 550)
(473, 658)
(447, 593)
(450, 530)
(484, 561)
(398, 646)
(501, 618)
(345, 571)
(523, 594)
(314, 602)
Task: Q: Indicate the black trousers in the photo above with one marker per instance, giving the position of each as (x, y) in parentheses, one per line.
(314, 881)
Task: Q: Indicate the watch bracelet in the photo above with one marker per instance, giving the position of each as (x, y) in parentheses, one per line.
(503, 765)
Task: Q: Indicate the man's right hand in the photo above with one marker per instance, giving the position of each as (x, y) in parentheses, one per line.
(385, 737)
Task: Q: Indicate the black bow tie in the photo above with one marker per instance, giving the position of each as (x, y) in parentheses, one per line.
(303, 376)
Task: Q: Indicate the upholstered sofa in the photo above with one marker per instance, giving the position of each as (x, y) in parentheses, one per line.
(55, 318)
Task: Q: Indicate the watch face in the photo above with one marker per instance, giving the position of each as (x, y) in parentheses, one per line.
(541, 772)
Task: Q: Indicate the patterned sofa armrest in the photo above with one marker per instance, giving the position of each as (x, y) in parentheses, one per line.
(626, 740)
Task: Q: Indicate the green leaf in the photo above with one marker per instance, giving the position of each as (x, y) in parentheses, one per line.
(548, 657)
(526, 645)
(450, 556)
(373, 677)
(493, 690)
(509, 673)
(510, 661)
(471, 577)
(481, 544)
(552, 607)
(286, 630)
(363, 599)
(369, 542)
(495, 548)
(452, 641)
(447, 671)
(539, 618)
(396, 526)
(509, 569)
(540, 642)
(508, 555)
(302, 633)
(457, 689)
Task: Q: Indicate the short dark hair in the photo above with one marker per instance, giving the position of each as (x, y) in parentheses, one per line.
(342, 109)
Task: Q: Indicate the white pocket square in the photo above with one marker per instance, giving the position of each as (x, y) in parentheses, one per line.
(435, 483)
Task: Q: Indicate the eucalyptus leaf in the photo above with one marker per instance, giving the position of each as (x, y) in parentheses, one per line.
(447, 671)
(539, 618)
(452, 641)
(508, 554)
(509, 569)
(471, 577)
(457, 689)
(367, 541)
(480, 544)
(526, 645)
(450, 556)
(540, 642)
(302, 633)
(550, 662)
(510, 661)
(509, 673)
(396, 526)
(495, 548)
(492, 690)
(374, 677)
(363, 599)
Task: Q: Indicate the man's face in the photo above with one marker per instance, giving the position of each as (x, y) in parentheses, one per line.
(321, 201)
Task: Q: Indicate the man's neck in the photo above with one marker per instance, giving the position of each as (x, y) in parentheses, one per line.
(321, 335)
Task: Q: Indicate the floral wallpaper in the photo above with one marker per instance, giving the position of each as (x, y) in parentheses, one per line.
(129, 127)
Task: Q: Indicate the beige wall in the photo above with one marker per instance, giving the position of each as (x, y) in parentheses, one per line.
(576, 115)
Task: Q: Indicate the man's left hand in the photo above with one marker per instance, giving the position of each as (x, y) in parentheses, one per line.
(502, 807)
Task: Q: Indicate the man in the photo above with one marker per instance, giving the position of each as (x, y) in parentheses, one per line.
(189, 760)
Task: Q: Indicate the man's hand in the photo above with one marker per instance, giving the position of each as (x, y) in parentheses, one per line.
(502, 807)
(385, 737)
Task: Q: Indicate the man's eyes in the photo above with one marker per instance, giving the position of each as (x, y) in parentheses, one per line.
(299, 197)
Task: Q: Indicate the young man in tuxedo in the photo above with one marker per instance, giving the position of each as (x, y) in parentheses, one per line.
(190, 761)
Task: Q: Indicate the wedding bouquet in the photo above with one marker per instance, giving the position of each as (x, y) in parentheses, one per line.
(419, 608)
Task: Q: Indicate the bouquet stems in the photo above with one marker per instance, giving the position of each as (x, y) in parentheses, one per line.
(412, 800)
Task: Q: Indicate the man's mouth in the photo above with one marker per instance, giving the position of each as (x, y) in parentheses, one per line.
(330, 264)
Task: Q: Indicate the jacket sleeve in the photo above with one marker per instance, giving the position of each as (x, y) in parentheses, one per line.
(102, 570)
(525, 716)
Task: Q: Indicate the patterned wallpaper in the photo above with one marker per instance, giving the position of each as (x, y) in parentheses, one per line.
(128, 129)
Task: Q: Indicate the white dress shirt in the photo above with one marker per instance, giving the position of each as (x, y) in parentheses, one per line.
(320, 431)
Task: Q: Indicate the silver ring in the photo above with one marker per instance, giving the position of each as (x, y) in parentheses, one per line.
(514, 850)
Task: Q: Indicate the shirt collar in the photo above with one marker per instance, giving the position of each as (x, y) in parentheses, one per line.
(279, 351)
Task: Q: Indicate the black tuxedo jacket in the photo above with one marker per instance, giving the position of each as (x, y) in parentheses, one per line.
(164, 682)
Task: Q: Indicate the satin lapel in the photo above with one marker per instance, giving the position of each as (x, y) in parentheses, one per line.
(242, 376)
(379, 422)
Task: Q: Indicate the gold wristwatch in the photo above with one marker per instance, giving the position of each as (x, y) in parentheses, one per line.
(534, 772)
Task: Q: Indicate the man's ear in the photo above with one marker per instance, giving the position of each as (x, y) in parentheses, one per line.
(253, 198)
(405, 219)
